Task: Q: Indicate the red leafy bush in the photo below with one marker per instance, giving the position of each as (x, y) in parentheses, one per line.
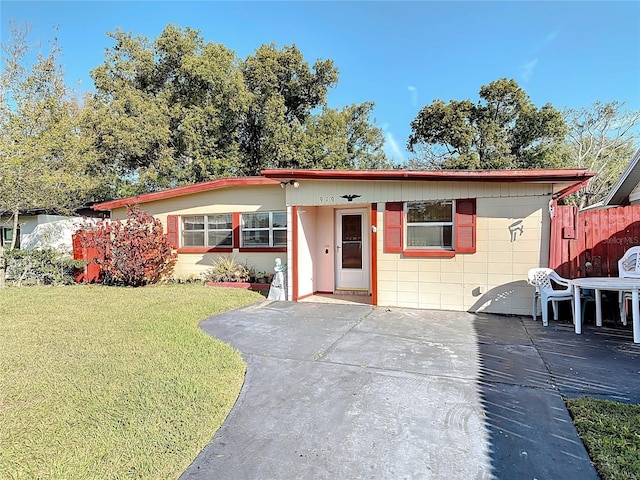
(134, 252)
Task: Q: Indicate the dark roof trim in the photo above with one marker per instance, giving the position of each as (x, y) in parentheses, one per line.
(619, 193)
(186, 190)
(85, 210)
(549, 175)
(274, 176)
(570, 189)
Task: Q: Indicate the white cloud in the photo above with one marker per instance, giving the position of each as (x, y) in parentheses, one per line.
(414, 95)
(547, 40)
(392, 148)
(527, 69)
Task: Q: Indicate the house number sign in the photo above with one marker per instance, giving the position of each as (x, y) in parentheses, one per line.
(324, 199)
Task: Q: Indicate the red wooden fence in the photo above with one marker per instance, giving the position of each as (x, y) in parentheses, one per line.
(589, 243)
(91, 272)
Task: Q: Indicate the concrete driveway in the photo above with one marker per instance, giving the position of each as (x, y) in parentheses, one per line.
(354, 391)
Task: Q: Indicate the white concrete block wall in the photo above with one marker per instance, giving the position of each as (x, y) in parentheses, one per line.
(194, 264)
(491, 280)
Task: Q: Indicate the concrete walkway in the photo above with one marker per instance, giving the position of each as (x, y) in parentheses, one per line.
(354, 391)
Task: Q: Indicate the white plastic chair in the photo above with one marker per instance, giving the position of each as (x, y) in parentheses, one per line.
(550, 287)
(535, 277)
(628, 267)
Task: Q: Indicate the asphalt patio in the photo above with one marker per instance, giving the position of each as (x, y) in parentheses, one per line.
(354, 391)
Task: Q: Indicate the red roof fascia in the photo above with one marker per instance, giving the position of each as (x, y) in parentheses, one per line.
(186, 190)
(570, 189)
(548, 175)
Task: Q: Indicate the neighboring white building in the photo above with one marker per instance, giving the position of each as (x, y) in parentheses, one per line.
(41, 230)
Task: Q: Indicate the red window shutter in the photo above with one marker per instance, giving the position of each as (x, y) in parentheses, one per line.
(393, 227)
(173, 231)
(235, 218)
(466, 225)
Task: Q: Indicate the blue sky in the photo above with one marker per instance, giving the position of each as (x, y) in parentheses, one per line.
(401, 55)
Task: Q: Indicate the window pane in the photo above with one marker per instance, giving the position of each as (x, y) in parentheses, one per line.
(6, 237)
(194, 223)
(351, 228)
(429, 212)
(218, 222)
(220, 239)
(352, 255)
(193, 239)
(436, 236)
(280, 238)
(255, 238)
(279, 219)
(255, 220)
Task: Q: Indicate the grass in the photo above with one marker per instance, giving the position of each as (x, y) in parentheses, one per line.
(611, 433)
(100, 382)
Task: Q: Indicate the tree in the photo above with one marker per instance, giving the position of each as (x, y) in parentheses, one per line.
(342, 139)
(168, 112)
(504, 130)
(284, 91)
(601, 139)
(180, 110)
(289, 124)
(47, 160)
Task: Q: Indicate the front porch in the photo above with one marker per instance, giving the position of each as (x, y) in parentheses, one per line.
(339, 298)
(331, 254)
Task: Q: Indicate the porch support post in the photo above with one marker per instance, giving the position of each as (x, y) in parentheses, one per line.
(293, 254)
(374, 254)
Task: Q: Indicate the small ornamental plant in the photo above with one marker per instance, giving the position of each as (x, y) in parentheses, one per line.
(227, 269)
(134, 252)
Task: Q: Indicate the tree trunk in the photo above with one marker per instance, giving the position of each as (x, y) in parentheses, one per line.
(3, 263)
(14, 240)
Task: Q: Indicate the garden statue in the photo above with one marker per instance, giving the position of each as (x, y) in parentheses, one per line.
(278, 290)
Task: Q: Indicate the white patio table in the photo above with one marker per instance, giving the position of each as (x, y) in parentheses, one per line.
(606, 283)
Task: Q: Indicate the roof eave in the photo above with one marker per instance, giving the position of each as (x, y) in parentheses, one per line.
(185, 190)
(625, 184)
(563, 175)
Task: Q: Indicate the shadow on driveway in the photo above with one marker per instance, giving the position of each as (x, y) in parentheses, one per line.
(524, 370)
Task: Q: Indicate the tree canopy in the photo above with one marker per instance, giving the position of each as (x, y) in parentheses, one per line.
(47, 157)
(503, 130)
(180, 110)
(601, 139)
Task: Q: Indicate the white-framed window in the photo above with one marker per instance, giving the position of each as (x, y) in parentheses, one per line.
(264, 229)
(214, 230)
(430, 224)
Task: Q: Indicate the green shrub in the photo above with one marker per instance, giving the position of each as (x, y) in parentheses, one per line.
(227, 269)
(40, 267)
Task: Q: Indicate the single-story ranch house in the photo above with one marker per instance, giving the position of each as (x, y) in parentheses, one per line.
(450, 240)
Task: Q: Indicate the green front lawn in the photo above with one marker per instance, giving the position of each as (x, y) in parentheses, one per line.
(100, 382)
(611, 433)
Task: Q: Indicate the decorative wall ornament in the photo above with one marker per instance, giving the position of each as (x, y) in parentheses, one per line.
(350, 197)
(516, 228)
